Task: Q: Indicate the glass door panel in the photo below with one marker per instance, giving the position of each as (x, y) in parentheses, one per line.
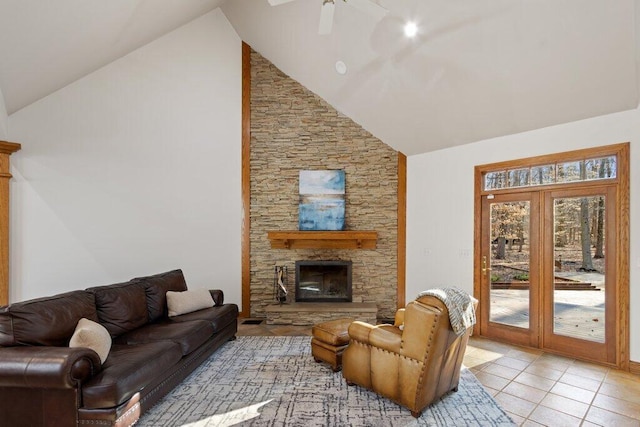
(579, 250)
(510, 263)
(508, 269)
(579, 286)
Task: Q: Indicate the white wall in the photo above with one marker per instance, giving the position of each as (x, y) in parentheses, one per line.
(134, 170)
(4, 119)
(441, 200)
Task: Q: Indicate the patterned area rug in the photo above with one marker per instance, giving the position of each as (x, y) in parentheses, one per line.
(274, 381)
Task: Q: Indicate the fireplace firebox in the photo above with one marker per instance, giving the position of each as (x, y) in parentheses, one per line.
(323, 281)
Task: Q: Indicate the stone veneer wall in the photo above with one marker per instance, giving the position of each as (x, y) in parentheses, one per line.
(293, 129)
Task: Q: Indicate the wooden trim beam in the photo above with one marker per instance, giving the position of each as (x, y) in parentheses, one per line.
(623, 263)
(246, 181)
(477, 249)
(6, 148)
(402, 230)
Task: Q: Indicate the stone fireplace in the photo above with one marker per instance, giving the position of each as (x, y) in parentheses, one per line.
(323, 281)
(292, 129)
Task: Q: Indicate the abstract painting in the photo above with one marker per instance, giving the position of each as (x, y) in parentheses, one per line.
(321, 200)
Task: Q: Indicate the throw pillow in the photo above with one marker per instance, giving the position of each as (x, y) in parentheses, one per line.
(187, 301)
(92, 335)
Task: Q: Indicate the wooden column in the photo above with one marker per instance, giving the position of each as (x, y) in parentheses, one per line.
(246, 180)
(402, 229)
(6, 149)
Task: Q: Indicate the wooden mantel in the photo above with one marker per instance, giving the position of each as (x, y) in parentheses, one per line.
(323, 239)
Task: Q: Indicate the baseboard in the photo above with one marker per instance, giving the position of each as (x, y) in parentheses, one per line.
(634, 367)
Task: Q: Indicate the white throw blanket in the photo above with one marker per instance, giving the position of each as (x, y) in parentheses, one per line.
(462, 313)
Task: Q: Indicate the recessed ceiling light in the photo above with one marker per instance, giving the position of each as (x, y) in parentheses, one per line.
(410, 29)
(341, 68)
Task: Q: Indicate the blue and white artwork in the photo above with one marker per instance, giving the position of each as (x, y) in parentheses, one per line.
(321, 200)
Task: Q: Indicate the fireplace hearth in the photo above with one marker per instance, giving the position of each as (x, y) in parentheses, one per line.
(323, 281)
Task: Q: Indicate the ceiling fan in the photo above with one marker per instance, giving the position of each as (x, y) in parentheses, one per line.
(328, 6)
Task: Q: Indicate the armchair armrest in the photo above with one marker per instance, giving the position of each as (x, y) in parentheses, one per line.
(399, 319)
(387, 337)
(47, 367)
(360, 331)
(217, 295)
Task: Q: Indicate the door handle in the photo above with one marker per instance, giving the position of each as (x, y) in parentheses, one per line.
(484, 264)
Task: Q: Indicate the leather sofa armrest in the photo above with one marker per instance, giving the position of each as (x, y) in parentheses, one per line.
(47, 367)
(217, 295)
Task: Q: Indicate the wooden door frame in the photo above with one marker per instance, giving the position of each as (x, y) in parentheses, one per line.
(622, 263)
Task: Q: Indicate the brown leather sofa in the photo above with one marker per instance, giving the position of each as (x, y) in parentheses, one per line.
(413, 365)
(43, 382)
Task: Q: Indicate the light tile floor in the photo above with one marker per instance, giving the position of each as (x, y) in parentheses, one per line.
(534, 387)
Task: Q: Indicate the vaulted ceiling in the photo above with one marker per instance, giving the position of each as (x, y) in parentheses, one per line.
(476, 69)
(45, 45)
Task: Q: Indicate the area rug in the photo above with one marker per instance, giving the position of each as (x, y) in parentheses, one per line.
(274, 381)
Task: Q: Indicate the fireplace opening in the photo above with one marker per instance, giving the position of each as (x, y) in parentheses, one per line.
(323, 281)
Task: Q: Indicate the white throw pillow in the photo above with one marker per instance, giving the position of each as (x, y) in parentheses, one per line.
(92, 335)
(187, 301)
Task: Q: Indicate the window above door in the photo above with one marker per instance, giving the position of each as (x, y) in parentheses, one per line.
(589, 169)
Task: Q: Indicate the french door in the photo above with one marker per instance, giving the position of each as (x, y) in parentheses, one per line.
(509, 266)
(579, 308)
(551, 267)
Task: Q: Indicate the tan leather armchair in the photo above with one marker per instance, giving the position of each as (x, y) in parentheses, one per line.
(412, 365)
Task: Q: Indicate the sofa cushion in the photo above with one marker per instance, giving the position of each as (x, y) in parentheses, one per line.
(219, 316)
(45, 321)
(189, 335)
(156, 288)
(92, 335)
(187, 301)
(121, 307)
(127, 370)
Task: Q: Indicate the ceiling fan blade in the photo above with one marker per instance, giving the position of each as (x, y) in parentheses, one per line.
(369, 7)
(278, 2)
(326, 17)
